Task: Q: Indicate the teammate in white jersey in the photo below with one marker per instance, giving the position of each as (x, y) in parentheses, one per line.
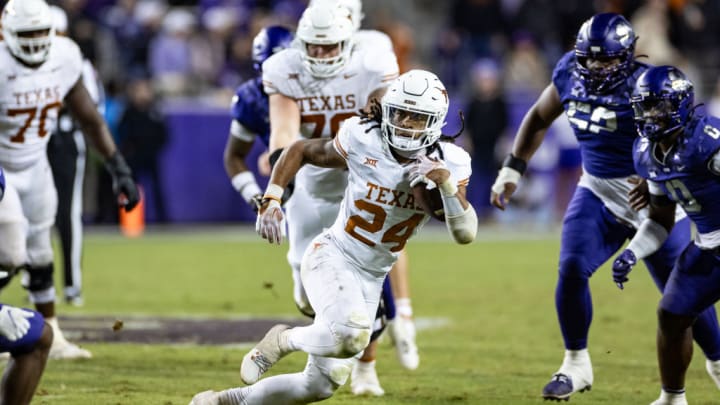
(401, 327)
(41, 73)
(313, 87)
(344, 268)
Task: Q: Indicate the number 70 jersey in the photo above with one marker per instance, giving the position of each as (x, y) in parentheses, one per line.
(378, 213)
(30, 99)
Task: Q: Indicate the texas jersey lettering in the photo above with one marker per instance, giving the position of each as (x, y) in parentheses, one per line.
(30, 100)
(325, 103)
(378, 214)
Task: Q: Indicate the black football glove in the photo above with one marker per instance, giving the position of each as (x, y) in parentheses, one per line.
(123, 185)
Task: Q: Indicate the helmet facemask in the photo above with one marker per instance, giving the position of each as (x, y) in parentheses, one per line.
(28, 31)
(325, 66)
(603, 39)
(662, 102)
(410, 131)
(413, 112)
(655, 117)
(324, 25)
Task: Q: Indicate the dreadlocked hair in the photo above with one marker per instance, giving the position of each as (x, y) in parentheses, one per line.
(371, 115)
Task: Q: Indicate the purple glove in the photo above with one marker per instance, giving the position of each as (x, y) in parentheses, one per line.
(622, 266)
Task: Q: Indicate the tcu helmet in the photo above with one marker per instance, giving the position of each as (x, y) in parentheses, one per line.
(269, 41)
(605, 37)
(324, 24)
(418, 94)
(662, 101)
(25, 16)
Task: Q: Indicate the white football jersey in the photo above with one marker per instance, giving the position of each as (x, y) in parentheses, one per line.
(373, 39)
(30, 100)
(326, 102)
(378, 212)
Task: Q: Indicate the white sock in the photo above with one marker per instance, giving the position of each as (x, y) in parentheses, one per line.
(403, 307)
(58, 336)
(279, 389)
(713, 369)
(577, 365)
(363, 366)
(671, 397)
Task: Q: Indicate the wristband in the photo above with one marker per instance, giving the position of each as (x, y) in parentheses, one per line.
(245, 184)
(273, 192)
(515, 163)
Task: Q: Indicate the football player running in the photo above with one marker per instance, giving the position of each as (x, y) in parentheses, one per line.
(592, 85)
(42, 72)
(344, 268)
(400, 325)
(679, 155)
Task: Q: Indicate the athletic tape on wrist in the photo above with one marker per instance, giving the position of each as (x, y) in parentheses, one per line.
(245, 184)
(448, 188)
(274, 192)
(506, 175)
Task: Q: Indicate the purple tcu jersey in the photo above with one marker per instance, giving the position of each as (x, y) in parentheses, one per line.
(603, 123)
(685, 176)
(250, 108)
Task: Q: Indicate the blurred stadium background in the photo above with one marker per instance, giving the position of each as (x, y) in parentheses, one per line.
(498, 340)
(495, 56)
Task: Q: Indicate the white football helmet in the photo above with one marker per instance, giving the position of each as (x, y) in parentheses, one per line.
(352, 7)
(324, 24)
(420, 96)
(24, 16)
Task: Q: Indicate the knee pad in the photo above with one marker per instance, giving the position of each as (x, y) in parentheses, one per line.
(39, 278)
(353, 335)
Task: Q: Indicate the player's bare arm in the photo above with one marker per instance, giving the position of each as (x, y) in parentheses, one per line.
(527, 140)
(318, 152)
(92, 123)
(236, 150)
(284, 121)
(536, 122)
(83, 108)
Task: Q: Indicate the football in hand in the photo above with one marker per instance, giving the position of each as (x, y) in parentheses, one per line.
(429, 200)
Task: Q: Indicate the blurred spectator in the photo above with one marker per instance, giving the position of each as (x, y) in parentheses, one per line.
(143, 135)
(210, 48)
(652, 25)
(487, 120)
(170, 53)
(134, 24)
(481, 24)
(526, 71)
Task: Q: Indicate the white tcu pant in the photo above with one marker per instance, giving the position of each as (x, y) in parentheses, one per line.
(307, 217)
(27, 214)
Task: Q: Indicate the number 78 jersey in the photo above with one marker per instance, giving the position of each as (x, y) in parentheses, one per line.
(325, 103)
(378, 213)
(30, 100)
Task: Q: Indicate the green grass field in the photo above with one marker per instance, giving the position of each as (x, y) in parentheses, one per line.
(501, 346)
